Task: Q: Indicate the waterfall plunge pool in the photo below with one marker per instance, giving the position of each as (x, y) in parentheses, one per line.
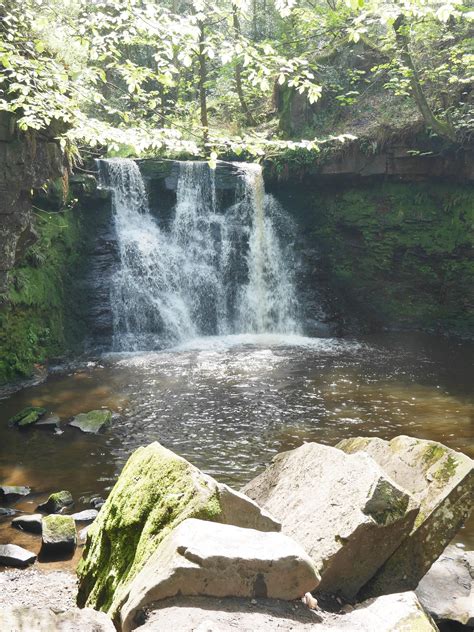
(229, 403)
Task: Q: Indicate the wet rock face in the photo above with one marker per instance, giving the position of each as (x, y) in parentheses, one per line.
(25, 163)
(156, 491)
(202, 558)
(442, 482)
(345, 511)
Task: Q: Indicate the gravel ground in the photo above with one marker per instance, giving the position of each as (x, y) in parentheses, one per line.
(41, 589)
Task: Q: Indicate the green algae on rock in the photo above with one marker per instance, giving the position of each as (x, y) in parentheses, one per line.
(58, 534)
(442, 481)
(93, 421)
(27, 417)
(56, 501)
(155, 492)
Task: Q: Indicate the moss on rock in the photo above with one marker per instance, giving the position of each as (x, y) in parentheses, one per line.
(155, 492)
(27, 416)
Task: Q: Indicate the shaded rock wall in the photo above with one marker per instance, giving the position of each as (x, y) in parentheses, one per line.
(27, 161)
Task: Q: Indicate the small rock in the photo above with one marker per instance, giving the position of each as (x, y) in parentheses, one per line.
(59, 534)
(13, 555)
(310, 601)
(56, 502)
(6, 512)
(88, 515)
(93, 421)
(50, 420)
(8, 493)
(31, 523)
(97, 502)
(27, 416)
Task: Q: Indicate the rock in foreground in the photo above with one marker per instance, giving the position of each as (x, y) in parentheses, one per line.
(447, 590)
(442, 482)
(93, 421)
(59, 535)
(202, 558)
(392, 613)
(29, 619)
(155, 492)
(345, 511)
(13, 555)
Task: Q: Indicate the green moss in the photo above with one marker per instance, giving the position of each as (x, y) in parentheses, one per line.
(401, 252)
(433, 453)
(57, 501)
(387, 504)
(154, 493)
(447, 470)
(27, 416)
(35, 316)
(59, 527)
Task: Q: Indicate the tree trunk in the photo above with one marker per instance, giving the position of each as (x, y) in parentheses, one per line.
(238, 73)
(202, 86)
(442, 128)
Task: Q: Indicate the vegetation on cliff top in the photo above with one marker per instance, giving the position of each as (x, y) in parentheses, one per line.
(202, 77)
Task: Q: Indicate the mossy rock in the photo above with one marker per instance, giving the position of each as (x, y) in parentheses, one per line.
(56, 502)
(27, 417)
(155, 492)
(93, 421)
(58, 534)
(442, 481)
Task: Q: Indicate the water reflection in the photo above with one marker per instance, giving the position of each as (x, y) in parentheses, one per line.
(229, 404)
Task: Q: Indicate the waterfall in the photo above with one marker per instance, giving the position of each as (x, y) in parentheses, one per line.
(210, 271)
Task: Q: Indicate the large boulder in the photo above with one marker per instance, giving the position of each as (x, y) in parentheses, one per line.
(155, 492)
(346, 512)
(447, 589)
(442, 481)
(29, 619)
(202, 558)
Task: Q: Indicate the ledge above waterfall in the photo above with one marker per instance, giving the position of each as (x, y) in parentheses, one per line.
(165, 173)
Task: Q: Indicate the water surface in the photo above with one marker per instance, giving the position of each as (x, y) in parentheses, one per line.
(230, 403)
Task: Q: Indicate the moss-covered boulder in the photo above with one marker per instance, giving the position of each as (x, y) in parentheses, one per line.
(155, 492)
(27, 417)
(93, 421)
(442, 481)
(56, 502)
(58, 535)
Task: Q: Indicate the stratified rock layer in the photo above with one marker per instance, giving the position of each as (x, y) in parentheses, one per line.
(345, 511)
(155, 492)
(202, 558)
(442, 482)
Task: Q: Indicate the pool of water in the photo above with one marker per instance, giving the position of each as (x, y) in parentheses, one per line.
(228, 404)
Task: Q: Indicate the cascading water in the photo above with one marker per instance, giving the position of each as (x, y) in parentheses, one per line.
(209, 272)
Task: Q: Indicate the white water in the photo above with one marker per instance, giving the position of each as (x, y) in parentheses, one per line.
(212, 271)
